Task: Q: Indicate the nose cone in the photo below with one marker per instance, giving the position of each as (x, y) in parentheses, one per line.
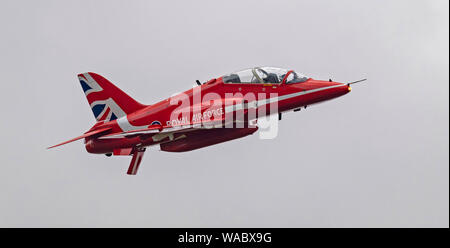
(326, 90)
(340, 88)
(332, 85)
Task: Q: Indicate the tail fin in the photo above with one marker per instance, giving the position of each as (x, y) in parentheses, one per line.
(106, 100)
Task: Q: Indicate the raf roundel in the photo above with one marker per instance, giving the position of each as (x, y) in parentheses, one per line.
(155, 123)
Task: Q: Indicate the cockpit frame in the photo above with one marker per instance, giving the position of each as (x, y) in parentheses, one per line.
(262, 75)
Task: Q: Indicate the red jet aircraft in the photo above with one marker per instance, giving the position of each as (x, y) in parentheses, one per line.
(219, 110)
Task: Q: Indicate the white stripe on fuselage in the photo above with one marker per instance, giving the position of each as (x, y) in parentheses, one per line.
(125, 125)
(239, 106)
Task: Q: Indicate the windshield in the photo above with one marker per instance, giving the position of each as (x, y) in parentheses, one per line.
(271, 75)
(296, 78)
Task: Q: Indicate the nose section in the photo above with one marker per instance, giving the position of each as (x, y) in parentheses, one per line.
(340, 89)
(328, 89)
(343, 87)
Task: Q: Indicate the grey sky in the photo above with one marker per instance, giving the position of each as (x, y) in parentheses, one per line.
(377, 157)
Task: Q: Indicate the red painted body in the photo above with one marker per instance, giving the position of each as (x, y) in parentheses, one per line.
(162, 110)
(126, 127)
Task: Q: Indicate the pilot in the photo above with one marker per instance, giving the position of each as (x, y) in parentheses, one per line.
(271, 78)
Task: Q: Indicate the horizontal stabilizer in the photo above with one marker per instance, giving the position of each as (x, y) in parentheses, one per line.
(91, 133)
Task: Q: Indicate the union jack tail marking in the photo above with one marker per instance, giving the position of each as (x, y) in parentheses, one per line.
(106, 100)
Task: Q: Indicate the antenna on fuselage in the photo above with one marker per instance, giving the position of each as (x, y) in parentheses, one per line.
(198, 82)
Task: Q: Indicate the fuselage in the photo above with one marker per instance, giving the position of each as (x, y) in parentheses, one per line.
(286, 96)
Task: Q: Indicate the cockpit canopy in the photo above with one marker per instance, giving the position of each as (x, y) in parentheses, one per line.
(268, 75)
